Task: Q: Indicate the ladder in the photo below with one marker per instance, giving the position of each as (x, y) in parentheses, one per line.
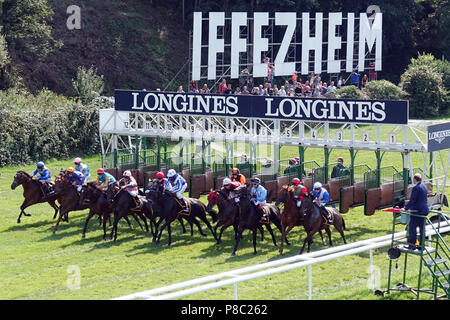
(435, 256)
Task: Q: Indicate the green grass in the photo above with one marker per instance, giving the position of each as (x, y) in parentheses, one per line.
(34, 264)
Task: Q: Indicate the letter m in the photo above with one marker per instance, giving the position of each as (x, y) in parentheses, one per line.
(370, 35)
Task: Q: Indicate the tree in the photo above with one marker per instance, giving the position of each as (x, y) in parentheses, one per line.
(383, 90)
(88, 85)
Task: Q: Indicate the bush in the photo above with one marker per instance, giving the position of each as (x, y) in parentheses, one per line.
(44, 126)
(424, 90)
(347, 92)
(88, 85)
(382, 90)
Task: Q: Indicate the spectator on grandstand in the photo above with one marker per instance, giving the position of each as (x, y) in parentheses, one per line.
(238, 91)
(276, 92)
(298, 89)
(341, 82)
(373, 73)
(255, 91)
(286, 86)
(364, 81)
(355, 78)
(331, 87)
(245, 90)
(291, 92)
(205, 89)
(229, 90)
(180, 89)
(323, 89)
(250, 83)
(223, 86)
(193, 86)
(261, 90)
(270, 70)
(294, 77)
(244, 77)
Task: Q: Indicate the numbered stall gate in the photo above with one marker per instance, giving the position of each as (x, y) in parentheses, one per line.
(352, 188)
(379, 189)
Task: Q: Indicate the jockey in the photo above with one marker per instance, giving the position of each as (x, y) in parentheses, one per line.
(81, 167)
(237, 176)
(299, 190)
(160, 178)
(322, 197)
(129, 183)
(176, 184)
(104, 179)
(76, 178)
(259, 194)
(44, 177)
(229, 186)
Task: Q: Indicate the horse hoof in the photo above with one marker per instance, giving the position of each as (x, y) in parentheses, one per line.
(233, 254)
(83, 236)
(18, 220)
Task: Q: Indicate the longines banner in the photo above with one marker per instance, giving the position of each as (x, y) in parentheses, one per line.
(264, 107)
(439, 137)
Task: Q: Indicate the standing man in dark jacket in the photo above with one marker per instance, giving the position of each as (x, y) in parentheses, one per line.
(419, 203)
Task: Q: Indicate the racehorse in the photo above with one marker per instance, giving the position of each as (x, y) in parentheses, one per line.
(228, 213)
(171, 210)
(249, 218)
(68, 198)
(98, 204)
(291, 215)
(152, 192)
(32, 192)
(314, 221)
(123, 205)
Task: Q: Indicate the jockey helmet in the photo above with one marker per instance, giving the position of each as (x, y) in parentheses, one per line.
(340, 159)
(77, 160)
(171, 173)
(70, 169)
(235, 170)
(295, 181)
(226, 182)
(40, 164)
(317, 185)
(127, 173)
(159, 175)
(256, 180)
(101, 170)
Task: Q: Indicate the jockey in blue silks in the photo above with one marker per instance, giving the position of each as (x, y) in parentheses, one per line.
(44, 177)
(259, 194)
(76, 178)
(176, 184)
(322, 197)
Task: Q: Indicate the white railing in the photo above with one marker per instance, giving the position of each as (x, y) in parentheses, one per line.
(233, 277)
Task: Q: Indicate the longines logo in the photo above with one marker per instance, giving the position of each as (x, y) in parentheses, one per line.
(439, 136)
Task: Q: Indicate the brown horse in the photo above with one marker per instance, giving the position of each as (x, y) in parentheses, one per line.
(291, 215)
(228, 213)
(314, 221)
(32, 192)
(68, 198)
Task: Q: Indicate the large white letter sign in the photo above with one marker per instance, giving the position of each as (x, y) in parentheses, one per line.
(288, 19)
(216, 19)
(334, 43)
(350, 41)
(366, 33)
(238, 44)
(312, 43)
(260, 44)
(197, 46)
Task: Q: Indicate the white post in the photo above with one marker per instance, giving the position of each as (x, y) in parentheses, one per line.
(310, 282)
(235, 292)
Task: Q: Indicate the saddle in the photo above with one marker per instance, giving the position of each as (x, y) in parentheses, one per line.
(264, 209)
(188, 206)
(138, 204)
(325, 219)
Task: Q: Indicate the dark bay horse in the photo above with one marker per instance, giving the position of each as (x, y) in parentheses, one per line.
(170, 210)
(314, 221)
(32, 192)
(228, 213)
(68, 198)
(250, 218)
(153, 192)
(291, 215)
(123, 205)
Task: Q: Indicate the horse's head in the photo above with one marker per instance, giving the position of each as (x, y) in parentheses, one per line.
(19, 178)
(61, 183)
(213, 199)
(284, 194)
(111, 192)
(307, 205)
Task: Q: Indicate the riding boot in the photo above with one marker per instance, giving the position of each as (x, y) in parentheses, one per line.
(327, 215)
(183, 205)
(263, 214)
(138, 202)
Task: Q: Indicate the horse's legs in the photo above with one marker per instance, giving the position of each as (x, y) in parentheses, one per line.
(128, 222)
(137, 220)
(283, 236)
(104, 224)
(278, 225)
(169, 230)
(142, 216)
(238, 238)
(269, 228)
(182, 225)
(195, 221)
(22, 211)
(261, 230)
(321, 236)
(340, 229)
(254, 241)
(167, 222)
(91, 213)
(54, 206)
(205, 220)
(61, 214)
(329, 236)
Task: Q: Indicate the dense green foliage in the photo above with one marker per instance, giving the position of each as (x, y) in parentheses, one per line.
(88, 85)
(382, 90)
(44, 126)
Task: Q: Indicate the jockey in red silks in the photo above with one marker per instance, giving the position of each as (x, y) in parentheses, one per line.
(299, 190)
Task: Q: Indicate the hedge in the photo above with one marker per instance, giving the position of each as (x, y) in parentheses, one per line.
(44, 126)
